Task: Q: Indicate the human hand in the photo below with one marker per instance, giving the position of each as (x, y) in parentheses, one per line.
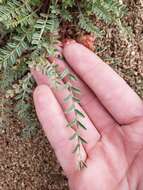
(114, 121)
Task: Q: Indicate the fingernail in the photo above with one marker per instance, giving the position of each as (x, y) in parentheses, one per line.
(68, 42)
(51, 59)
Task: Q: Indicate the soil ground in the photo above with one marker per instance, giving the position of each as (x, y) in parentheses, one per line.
(30, 164)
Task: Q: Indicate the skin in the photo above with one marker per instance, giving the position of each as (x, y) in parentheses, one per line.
(114, 121)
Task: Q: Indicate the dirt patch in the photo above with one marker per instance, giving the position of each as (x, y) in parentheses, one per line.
(30, 164)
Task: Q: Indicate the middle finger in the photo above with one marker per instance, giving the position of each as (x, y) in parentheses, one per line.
(100, 117)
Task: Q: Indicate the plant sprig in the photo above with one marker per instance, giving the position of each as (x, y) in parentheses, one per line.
(76, 124)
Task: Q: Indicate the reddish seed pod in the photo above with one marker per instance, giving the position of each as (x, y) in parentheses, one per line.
(87, 41)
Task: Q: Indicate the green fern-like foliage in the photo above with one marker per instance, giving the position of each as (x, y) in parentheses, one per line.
(14, 48)
(16, 12)
(86, 24)
(31, 30)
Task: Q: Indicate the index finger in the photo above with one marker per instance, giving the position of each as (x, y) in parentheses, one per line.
(113, 92)
(53, 120)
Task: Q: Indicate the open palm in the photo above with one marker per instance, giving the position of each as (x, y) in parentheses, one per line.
(114, 121)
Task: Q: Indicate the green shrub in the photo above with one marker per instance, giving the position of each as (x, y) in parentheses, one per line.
(30, 29)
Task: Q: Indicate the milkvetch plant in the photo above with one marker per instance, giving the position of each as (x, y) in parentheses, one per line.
(30, 30)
